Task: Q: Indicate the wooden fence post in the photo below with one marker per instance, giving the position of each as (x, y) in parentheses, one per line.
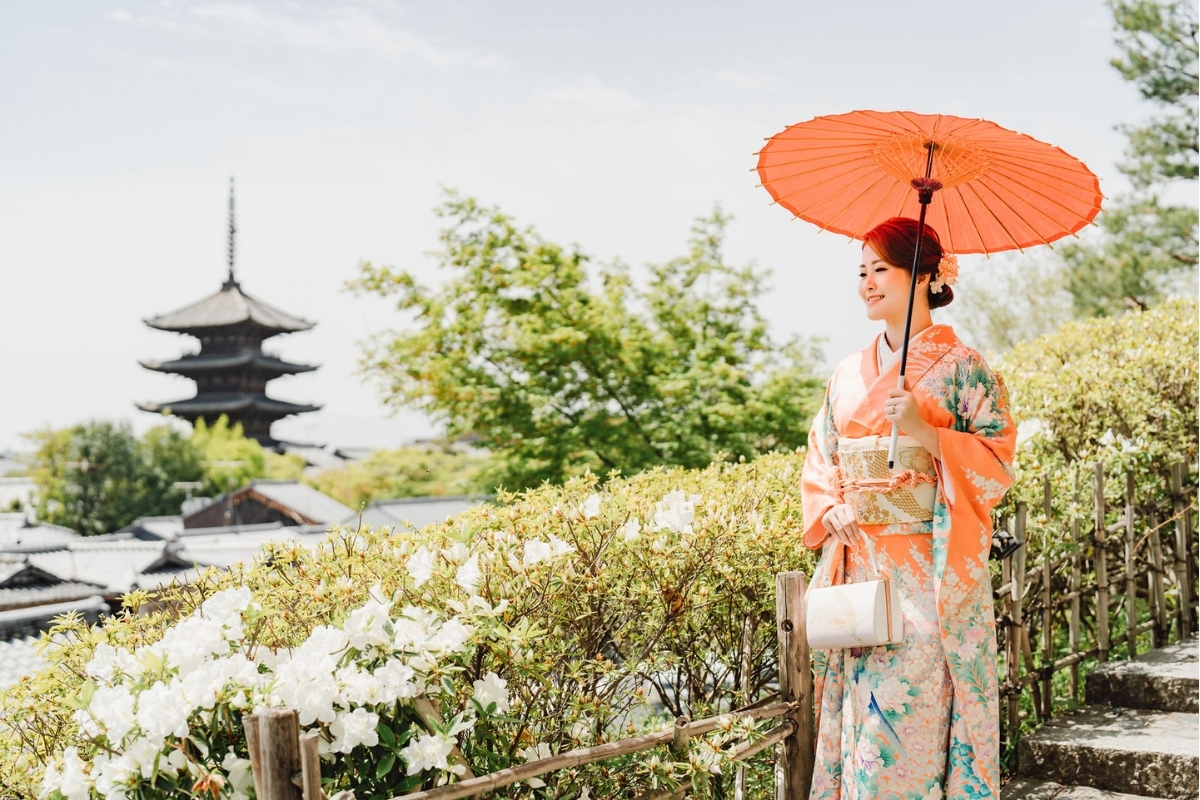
(1156, 587)
(795, 684)
(747, 666)
(279, 741)
(1101, 567)
(1183, 578)
(1076, 588)
(1130, 567)
(1047, 619)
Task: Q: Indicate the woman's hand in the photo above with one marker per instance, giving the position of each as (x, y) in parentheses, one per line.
(901, 410)
(841, 524)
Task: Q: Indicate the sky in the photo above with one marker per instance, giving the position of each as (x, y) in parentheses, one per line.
(607, 125)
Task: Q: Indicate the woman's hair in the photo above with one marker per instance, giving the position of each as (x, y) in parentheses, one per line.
(895, 240)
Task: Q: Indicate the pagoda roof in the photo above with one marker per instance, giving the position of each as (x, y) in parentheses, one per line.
(213, 404)
(230, 306)
(211, 362)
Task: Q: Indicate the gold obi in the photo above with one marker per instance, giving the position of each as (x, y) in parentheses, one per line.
(880, 496)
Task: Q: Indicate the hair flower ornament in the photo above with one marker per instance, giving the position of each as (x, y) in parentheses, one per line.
(947, 274)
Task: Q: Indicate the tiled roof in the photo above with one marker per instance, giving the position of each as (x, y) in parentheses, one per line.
(414, 512)
(28, 596)
(150, 529)
(304, 500)
(114, 565)
(230, 306)
(202, 362)
(17, 531)
(18, 657)
(226, 403)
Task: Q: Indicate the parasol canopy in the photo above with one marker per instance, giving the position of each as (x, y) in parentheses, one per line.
(996, 189)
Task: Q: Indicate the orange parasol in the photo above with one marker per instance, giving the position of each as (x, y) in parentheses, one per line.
(997, 189)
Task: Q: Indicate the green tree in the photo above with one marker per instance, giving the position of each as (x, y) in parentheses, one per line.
(560, 371)
(404, 472)
(1146, 248)
(98, 477)
(230, 460)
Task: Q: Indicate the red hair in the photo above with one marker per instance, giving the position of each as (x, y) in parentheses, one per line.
(895, 241)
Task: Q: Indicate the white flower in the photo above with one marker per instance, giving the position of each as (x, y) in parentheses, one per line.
(226, 606)
(456, 553)
(469, 575)
(108, 663)
(483, 608)
(395, 681)
(630, 530)
(536, 753)
(591, 507)
(71, 782)
(420, 565)
(351, 730)
(558, 547)
(492, 689)
(675, 512)
(357, 687)
(427, 752)
(112, 707)
(412, 628)
(536, 551)
(241, 778)
(451, 637)
(163, 711)
(368, 625)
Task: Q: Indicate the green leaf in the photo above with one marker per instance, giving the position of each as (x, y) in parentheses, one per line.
(385, 765)
(385, 735)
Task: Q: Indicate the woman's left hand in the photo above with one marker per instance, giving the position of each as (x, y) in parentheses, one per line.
(901, 410)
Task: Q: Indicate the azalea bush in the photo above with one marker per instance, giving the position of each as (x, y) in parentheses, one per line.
(1122, 392)
(555, 619)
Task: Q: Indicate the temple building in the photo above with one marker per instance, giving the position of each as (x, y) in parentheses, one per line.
(231, 370)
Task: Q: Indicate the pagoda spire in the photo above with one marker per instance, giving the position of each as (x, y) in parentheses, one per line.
(231, 281)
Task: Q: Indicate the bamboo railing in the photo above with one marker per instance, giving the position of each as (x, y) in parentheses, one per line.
(1133, 574)
(286, 765)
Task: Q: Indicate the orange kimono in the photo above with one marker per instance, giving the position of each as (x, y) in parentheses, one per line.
(918, 719)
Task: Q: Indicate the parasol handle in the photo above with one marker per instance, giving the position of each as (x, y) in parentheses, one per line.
(925, 188)
(895, 432)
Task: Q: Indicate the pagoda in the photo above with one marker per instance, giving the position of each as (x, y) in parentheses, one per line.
(231, 370)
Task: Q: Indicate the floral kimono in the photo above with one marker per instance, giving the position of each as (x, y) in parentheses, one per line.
(917, 719)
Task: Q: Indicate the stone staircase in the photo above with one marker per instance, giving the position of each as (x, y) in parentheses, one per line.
(1138, 737)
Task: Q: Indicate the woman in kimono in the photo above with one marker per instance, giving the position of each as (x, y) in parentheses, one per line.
(917, 719)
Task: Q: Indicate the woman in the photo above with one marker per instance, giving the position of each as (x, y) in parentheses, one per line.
(918, 719)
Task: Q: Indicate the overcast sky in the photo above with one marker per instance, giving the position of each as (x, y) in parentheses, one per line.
(610, 125)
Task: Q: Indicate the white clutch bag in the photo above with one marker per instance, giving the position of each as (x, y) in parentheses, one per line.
(863, 614)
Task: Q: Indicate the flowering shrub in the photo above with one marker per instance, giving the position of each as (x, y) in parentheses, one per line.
(559, 618)
(1120, 391)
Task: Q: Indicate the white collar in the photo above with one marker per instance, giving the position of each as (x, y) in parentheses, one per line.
(884, 355)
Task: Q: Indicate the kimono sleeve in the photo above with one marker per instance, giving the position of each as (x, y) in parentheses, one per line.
(975, 468)
(819, 481)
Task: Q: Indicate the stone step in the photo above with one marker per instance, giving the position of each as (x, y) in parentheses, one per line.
(1150, 753)
(1166, 679)
(1031, 789)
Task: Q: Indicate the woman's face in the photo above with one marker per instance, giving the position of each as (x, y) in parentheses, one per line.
(882, 287)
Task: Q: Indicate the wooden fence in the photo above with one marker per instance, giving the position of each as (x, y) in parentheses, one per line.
(286, 765)
(1123, 584)
(1133, 572)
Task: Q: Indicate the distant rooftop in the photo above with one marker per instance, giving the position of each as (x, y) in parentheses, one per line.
(229, 306)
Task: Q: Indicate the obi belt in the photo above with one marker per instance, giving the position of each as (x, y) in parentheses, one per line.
(882, 496)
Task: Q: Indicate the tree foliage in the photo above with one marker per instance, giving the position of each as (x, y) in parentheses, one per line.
(560, 370)
(1145, 249)
(98, 477)
(404, 472)
(1159, 56)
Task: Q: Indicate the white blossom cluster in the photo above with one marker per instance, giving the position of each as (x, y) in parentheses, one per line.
(139, 706)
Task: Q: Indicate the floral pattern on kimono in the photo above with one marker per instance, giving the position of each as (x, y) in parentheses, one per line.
(917, 719)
